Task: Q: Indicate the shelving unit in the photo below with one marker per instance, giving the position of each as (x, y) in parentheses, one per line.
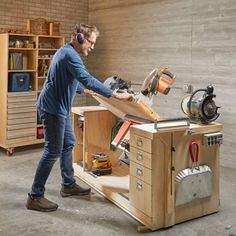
(18, 114)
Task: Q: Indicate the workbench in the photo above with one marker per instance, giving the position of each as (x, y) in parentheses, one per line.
(146, 189)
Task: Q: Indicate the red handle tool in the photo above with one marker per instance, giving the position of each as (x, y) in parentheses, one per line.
(194, 151)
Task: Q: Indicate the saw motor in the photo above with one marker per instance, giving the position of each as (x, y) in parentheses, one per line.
(156, 82)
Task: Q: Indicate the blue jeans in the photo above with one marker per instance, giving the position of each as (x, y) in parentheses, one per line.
(59, 143)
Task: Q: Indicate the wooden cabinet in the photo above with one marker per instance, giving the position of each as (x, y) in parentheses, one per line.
(21, 56)
(147, 188)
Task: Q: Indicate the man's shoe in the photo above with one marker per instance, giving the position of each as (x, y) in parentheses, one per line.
(40, 204)
(75, 190)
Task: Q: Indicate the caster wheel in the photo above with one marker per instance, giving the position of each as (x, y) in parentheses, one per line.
(10, 151)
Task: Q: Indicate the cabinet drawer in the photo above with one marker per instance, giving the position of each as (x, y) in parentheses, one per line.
(21, 121)
(24, 115)
(140, 195)
(21, 110)
(21, 99)
(141, 157)
(23, 133)
(141, 143)
(21, 126)
(21, 94)
(21, 105)
(141, 172)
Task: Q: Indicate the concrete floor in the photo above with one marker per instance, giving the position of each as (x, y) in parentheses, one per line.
(92, 215)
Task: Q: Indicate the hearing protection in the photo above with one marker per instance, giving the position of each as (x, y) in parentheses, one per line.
(78, 34)
(80, 38)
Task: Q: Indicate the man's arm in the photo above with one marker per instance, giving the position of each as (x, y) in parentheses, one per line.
(77, 68)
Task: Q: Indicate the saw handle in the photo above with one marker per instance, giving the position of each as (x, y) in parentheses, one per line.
(169, 74)
(194, 151)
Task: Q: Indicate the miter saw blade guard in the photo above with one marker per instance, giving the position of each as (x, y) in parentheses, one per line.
(119, 85)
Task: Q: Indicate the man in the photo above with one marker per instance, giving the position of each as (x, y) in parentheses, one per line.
(54, 104)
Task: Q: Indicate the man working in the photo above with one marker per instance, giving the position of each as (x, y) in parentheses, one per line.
(54, 104)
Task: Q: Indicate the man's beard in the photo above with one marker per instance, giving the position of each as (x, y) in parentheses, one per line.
(84, 51)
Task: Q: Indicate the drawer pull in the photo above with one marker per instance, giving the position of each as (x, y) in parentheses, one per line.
(139, 187)
(139, 171)
(139, 156)
(139, 142)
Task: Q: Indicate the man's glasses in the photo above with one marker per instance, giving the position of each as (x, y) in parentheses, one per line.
(91, 42)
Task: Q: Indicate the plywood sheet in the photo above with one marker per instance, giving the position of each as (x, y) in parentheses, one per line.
(122, 108)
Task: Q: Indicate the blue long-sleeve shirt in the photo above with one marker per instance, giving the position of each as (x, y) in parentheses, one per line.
(64, 75)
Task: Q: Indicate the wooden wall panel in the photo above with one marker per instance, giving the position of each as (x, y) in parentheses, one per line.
(195, 39)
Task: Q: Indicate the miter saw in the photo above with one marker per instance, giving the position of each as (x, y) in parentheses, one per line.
(156, 81)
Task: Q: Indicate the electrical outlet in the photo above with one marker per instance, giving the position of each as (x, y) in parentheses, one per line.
(212, 139)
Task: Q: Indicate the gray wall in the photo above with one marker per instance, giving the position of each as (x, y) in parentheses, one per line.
(195, 39)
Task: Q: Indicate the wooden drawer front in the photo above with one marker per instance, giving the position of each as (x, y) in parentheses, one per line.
(22, 100)
(141, 143)
(140, 195)
(21, 121)
(21, 94)
(21, 126)
(25, 115)
(21, 105)
(141, 172)
(21, 110)
(141, 157)
(23, 133)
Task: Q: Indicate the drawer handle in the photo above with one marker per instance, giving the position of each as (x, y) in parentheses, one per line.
(139, 142)
(139, 187)
(139, 171)
(139, 156)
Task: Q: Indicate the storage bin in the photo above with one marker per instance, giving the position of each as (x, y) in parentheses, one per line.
(19, 82)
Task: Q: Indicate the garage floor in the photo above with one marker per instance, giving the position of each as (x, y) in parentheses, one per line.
(92, 215)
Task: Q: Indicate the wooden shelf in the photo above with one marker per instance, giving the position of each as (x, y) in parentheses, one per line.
(44, 58)
(22, 49)
(27, 70)
(18, 114)
(47, 49)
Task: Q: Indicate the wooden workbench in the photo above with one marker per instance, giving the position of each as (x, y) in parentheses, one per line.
(146, 188)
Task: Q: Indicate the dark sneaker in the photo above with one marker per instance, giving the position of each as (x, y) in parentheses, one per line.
(75, 190)
(40, 204)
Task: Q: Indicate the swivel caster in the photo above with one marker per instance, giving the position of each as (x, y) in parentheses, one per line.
(9, 151)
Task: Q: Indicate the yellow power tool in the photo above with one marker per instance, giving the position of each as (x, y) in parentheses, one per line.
(101, 164)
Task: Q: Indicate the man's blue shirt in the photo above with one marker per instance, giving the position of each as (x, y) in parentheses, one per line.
(65, 73)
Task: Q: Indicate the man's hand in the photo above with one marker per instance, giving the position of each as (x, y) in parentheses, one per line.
(90, 92)
(123, 96)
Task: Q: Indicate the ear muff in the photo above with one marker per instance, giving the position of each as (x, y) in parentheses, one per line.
(80, 38)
